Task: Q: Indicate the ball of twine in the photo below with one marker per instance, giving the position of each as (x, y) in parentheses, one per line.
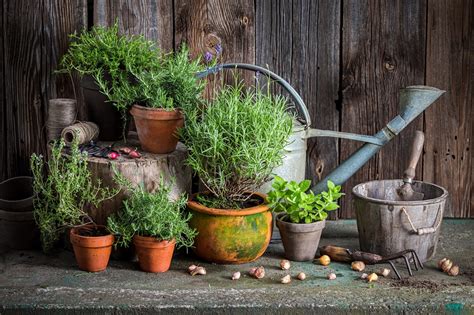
(61, 113)
(83, 131)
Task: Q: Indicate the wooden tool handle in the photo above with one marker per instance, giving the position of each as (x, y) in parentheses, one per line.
(416, 149)
(339, 254)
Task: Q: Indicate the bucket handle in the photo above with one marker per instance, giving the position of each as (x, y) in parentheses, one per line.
(425, 230)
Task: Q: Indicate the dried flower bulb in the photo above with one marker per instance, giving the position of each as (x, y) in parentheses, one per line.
(454, 271)
(324, 260)
(285, 264)
(286, 279)
(257, 272)
(446, 265)
(384, 272)
(364, 276)
(198, 271)
(236, 275)
(301, 276)
(372, 277)
(441, 262)
(358, 265)
(332, 276)
(191, 268)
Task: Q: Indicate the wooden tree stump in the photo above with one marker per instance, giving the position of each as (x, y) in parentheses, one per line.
(142, 171)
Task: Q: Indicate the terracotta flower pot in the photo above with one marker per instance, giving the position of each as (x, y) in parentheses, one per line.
(230, 236)
(153, 255)
(300, 240)
(157, 128)
(92, 252)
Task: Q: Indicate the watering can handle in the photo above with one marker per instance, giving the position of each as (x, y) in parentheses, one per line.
(426, 230)
(301, 107)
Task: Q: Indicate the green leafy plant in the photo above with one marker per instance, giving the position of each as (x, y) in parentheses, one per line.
(174, 84)
(111, 59)
(235, 142)
(63, 186)
(151, 214)
(301, 206)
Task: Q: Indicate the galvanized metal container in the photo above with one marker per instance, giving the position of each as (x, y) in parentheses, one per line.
(387, 226)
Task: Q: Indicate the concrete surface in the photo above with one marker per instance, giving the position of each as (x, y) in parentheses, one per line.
(31, 282)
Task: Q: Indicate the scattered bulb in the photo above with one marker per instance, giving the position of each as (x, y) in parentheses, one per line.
(332, 276)
(301, 276)
(286, 279)
(198, 271)
(324, 260)
(372, 277)
(363, 276)
(285, 264)
(257, 272)
(384, 272)
(358, 265)
(236, 275)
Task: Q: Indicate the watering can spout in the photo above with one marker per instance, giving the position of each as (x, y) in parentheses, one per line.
(413, 101)
(416, 99)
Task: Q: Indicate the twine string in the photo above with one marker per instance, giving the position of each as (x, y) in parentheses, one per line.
(61, 113)
(83, 131)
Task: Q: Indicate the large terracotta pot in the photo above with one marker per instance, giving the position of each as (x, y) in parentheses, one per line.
(92, 252)
(300, 240)
(230, 236)
(157, 128)
(153, 255)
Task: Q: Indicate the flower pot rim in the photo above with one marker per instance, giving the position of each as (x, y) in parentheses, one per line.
(107, 240)
(300, 227)
(156, 113)
(196, 206)
(151, 240)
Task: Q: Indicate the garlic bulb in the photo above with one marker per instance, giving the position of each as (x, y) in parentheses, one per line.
(301, 276)
(257, 272)
(286, 279)
(236, 275)
(358, 265)
(285, 264)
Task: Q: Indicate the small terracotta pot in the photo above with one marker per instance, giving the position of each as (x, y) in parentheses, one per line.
(92, 252)
(231, 236)
(157, 128)
(300, 240)
(153, 255)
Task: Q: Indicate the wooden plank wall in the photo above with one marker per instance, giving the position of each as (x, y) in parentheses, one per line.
(347, 58)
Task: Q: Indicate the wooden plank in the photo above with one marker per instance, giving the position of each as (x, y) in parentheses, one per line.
(3, 104)
(60, 20)
(450, 66)
(202, 24)
(23, 95)
(151, 18)
(299, 40)
(383, 50)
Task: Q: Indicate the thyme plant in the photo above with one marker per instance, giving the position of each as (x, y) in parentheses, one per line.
(151, 214)
(299, 205)
(63, 186)
(235, 142)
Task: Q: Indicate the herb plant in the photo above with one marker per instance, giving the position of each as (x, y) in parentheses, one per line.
(300, 206)
(151, 214)
(63, 193)
(174, 84)
(111, 58)
(235, 142)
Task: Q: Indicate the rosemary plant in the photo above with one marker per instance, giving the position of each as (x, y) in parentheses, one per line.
(151, 214)
(235, 142)
(63, 193)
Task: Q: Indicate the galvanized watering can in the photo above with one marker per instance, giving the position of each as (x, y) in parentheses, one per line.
(413, 101)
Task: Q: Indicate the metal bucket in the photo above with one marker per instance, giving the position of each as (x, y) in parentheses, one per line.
(387, 226)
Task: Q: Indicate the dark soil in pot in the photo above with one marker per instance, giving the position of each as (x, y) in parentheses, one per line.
(300, 241)
(102, 112)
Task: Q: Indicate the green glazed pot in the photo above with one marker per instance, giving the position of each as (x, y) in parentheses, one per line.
(231, 236)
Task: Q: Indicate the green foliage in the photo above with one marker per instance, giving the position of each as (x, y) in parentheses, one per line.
(63, 193)
(235, 142)
(174, 84)
(151, 214)
(111, 58)
(303, 207)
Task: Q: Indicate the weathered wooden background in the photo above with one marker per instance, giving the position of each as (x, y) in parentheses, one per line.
(347, 58)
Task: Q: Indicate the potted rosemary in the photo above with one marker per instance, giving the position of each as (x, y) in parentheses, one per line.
(64, 187)
(234, 143)
(106, 62)
(302, 215)
(162, 96)
(154, 223)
